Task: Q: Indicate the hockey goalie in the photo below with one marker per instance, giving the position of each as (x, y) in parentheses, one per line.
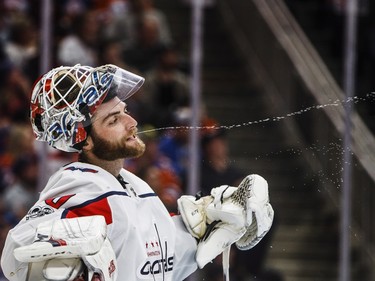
(95, 220)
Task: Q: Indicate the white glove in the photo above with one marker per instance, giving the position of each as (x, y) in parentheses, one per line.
(227, 224)
(259, 212)
(230, 215)
(63, 248)
(193, 213)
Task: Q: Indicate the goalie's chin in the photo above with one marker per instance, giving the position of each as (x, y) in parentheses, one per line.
(125, 149)
(136, 148)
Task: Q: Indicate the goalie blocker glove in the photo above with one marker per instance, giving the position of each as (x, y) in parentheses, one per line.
(67, 248)
(240, 215)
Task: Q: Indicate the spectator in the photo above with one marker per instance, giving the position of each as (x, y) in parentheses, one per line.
(81, 46)
(66, 14)
(143, 53)
(5, 160)
(14, 95)
(10, 11)
(117, 24)
(110, 52)
(17, 140)
(22, 194)
(166, 88)
(22, 44)
(146, 8)
(174, 142)
(216, 165)
(124, 23)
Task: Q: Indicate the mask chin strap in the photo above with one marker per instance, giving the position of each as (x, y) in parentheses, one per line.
(87, 126)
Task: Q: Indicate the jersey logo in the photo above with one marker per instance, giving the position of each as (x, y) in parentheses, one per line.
(38, 211)
(158, 262)
(152, 268)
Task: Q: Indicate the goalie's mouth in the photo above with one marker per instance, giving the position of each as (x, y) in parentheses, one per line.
(133, 136)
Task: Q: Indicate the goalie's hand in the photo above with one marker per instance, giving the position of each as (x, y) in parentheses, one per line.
(67, 238)
(259, 211)
(193, 213)
(241, 215)
(66, 248)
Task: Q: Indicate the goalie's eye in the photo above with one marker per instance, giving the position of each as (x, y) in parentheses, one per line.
(113, 120)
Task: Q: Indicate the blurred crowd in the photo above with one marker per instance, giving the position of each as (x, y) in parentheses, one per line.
(135, 35)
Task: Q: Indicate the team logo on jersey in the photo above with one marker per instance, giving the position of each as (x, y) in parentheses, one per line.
(152, 248)
(156, 268)
(158, 263)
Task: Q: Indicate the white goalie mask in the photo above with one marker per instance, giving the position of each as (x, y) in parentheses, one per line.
(64, 100)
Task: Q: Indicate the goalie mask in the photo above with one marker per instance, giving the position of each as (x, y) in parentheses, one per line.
(64, 100)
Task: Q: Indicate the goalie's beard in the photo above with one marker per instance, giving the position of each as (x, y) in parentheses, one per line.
(113, 150)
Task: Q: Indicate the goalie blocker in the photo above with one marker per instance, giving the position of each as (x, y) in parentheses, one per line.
(240, 215)
(67, 249)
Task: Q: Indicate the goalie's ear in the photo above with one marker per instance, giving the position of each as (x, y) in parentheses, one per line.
(89, 144)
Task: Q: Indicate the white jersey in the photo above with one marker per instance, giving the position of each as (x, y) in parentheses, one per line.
(148, 242)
